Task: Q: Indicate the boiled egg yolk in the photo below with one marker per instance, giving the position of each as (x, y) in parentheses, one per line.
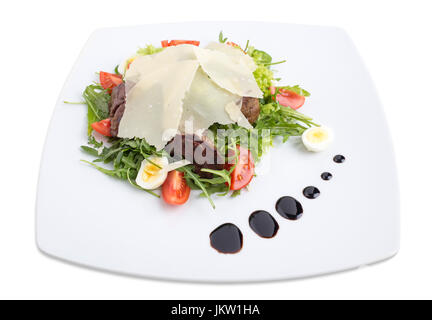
(317, 138)
(152, 173)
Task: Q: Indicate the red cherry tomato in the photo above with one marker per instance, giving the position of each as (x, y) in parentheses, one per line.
(175, 189)
(166, 43)
(235, 45)
(103, 127)
(244, 170)
(109, 80)
(288, 98)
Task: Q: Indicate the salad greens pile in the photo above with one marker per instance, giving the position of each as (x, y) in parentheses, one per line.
(219, 184)
(126, 155)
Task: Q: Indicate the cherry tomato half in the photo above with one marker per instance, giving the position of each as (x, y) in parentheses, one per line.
(103, 127)
(175, 189)
(244, 170)
(109, 80)
(288, 98)
(166, 43)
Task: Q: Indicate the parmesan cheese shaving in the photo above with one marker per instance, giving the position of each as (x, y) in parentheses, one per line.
(237, 55)
(142, 66)
(154, 105)
(234, 77)
(205, 104)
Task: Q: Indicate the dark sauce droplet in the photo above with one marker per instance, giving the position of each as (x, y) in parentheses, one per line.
(311, 192)
(263, 224)
(326, 176)
(227, 238)
(289, 208)
(339, 158)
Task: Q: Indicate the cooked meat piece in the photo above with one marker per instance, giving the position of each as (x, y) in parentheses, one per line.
(115, 120)
(201, 153)
(250, 108)
(216, 160)
(117, 107)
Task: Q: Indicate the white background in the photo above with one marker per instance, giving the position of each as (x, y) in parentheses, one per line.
(40, 40)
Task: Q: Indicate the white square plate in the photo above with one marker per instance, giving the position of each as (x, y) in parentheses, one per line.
(91, 219)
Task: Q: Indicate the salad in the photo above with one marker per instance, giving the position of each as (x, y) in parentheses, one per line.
(184, 117)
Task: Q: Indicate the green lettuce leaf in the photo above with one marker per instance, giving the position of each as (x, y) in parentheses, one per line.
(97, 100)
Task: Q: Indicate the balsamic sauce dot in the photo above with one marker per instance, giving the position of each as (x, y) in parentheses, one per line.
(326, 176)
(311, 192)
(339, 158)
(289, 208)
(227, 238)
(263, 224)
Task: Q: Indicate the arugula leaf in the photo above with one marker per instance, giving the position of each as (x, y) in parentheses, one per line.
(117, 173)
(282, 121)
(274, 63)
(129, 162)
(126, 156)
(196, 179)
(246, 47)
(69, 102)
(221, 38)
(118, 160)
(116, 71)
(92, 141)
(122, 174)
(218, 189)
(297, 90)
(90, 151)
(235, 193)
(224, 178)
(91, 118)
